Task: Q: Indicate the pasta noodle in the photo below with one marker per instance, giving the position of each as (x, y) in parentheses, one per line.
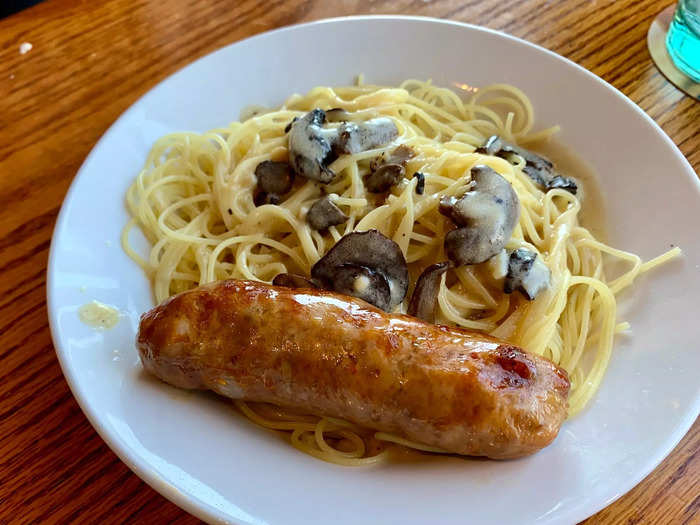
(194, 201)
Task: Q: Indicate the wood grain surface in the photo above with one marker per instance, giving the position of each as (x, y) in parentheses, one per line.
(89, 62)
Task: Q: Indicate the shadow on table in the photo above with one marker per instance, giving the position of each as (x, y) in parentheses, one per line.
(7, 7)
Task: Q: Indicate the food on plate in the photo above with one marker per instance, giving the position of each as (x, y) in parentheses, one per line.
(98, 315)
(409, 198)
(337, 356)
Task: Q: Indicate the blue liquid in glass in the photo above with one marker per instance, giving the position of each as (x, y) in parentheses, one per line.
(683, 40)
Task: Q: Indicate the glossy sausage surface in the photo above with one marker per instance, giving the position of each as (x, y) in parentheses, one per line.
(334, 355)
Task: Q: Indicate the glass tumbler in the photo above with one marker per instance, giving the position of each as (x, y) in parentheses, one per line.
(683, 40)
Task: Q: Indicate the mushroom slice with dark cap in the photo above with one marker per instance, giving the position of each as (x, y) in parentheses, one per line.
(386, 171)
(540, 169)
(364, 283)
(324, 214)
(486, 217)
(401, 155)
(311, 147)
(354, 137)
(375, 253)
(274, 180)
(425, 294)
(384, 177)
(292, 280)
(420, 185)
(536, 167)
(261, 198)
(527, 273)
(493, 146)
(565, 183)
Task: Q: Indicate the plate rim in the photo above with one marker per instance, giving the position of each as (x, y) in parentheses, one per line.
(188, 501)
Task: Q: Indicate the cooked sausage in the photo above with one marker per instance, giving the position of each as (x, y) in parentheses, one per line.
(335, 355)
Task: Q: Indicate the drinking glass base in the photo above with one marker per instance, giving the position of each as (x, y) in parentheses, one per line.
(656, 40)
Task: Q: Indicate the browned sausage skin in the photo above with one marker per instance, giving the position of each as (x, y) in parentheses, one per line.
(334, 355)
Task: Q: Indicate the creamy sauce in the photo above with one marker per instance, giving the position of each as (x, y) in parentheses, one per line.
(367, 135)
(567, 162)
(98, 315)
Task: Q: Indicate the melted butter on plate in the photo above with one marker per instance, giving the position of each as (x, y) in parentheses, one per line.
(98, 315)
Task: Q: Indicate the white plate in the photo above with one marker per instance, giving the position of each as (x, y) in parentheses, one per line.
(195, 450)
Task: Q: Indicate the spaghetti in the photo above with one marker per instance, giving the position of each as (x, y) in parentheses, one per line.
(194, 201)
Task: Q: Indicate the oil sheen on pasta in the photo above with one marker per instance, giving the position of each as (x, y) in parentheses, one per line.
(193, 201)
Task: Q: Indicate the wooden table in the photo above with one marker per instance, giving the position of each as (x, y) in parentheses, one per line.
(89, 62)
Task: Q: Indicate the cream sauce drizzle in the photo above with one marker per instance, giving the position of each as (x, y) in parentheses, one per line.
(98, 315)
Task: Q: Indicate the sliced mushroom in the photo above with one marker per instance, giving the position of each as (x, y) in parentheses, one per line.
(311, 147)
(384, 177)
(324, 214)
(354, 137)
(486, 217)
(420, 185)
(495, 145)
(274, 180)
(261, 198)
(369, 250)
(292, 280)
(386, 171)
(538, 168)
(565, 183)
(469, 246)
(425, 294)
(400, 155)
(363, 283)
(527, 273)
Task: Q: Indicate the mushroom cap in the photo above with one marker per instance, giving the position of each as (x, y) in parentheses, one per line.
(424, 298)
(420, 185)
(486, 217)
(371, 250)
(527, 273)
(565, 183)
(470, 246)
(387, 170)
(540, 169)
(401, 155)
(310, 147)
(354, 137)
(274, 177)
(491, 146)
(261, 198)
(495, 145)
(384, 177)
(324, 214)
(363, 283)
